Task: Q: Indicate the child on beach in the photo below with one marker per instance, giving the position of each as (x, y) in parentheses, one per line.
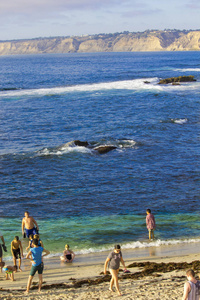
(191, 287)
(150, 222)
(30, 242)
(68, 255)
(17, 251)
(113, 261)
(10, 271)
(37, 237)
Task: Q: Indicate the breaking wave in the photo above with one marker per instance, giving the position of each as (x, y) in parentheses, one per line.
(135, 245)
(188, 70)
(71, 147)
(176, 121)
(135, 85)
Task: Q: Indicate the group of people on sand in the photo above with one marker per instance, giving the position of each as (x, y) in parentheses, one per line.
(36, 252)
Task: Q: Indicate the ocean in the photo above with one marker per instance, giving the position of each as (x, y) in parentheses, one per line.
(77, 195)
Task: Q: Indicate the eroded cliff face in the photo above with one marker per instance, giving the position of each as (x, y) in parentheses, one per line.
(191, 41)
(118, 42)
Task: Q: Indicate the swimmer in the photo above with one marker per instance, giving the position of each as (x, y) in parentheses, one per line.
(68, 255)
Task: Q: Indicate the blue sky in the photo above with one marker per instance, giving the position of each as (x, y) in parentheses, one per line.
(21, 19)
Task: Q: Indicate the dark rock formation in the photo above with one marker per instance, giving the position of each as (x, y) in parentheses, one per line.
(82, 144)
(100, 149)
(104, 149)
(177, 79)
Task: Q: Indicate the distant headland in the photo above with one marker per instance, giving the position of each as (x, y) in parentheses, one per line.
(149, 40)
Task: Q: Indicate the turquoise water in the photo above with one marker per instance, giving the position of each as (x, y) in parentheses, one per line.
(78, 196)
(94, 234)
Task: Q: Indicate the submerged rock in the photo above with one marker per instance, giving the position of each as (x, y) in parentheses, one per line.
(177, 79)
(104, 149)
(80, 143)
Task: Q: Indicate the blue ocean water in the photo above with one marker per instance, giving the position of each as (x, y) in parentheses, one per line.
(77, 195)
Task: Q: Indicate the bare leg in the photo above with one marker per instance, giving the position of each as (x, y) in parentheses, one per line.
(153, 235)
(20, 264)
(14, 261)
(29, 283)
(12, 276)
(114, 274)
(111, 284)
(62, 258)
(40, 282)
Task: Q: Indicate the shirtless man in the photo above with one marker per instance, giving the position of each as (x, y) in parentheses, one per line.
(17, 251)
(29, 224)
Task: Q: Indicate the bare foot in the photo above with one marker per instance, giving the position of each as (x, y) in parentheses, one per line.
(119, 293)
(110, 290)
(20, 270)
(26, 292)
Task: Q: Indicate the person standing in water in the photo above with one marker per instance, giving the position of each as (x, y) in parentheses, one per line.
(29, 224)
(150, 222)
(113, 262)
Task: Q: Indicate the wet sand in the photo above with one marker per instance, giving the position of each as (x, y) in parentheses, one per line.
(82, 279)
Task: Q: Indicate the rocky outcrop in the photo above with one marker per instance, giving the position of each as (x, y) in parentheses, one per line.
(100, 149)
(155, 40)
(104, 149)
(176, 80)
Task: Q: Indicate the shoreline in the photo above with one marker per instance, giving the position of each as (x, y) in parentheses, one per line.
(69, 279)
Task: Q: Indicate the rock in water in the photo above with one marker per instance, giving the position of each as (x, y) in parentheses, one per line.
(82, 144)
(177, 79)
(104, 149)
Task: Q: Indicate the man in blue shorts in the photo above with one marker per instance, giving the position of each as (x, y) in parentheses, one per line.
(35, 255)
(29, 224)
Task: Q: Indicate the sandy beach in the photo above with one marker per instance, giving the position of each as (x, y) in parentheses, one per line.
(158, 275)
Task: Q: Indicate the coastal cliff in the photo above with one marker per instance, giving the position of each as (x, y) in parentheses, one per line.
(155, 40)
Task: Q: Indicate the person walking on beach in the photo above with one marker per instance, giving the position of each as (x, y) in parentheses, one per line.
(17, 251)
(35, 255)
(150, 222)
(191, 287)
(113, 262)
(29, 223)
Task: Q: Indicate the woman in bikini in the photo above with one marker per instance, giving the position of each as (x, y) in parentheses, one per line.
(68, 255)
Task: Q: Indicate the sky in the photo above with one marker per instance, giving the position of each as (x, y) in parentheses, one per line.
(26, 19)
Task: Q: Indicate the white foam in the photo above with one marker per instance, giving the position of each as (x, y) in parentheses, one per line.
(63, 150)
(135, 84)
(188, 70)
(136, 245)
(180, 121)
